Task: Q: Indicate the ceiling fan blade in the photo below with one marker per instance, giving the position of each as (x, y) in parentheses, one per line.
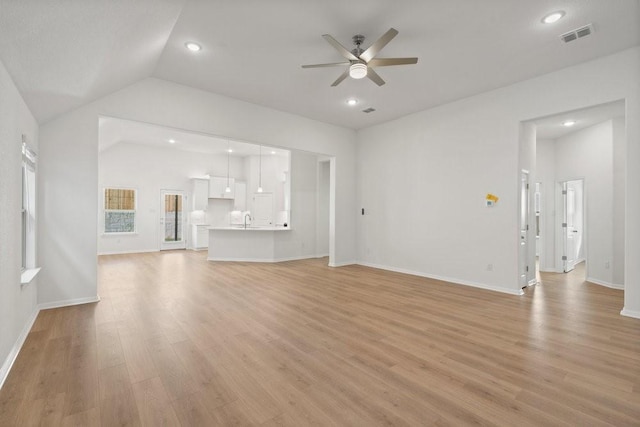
(343, 50)
(374, 76)
(341, 78)
(333, 64)
(377, 46)
(384, 62)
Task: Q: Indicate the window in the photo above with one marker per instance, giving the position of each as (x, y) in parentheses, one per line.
(119, 210)
(28, 216)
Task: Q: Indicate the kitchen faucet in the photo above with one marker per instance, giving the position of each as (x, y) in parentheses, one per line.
(245, 219)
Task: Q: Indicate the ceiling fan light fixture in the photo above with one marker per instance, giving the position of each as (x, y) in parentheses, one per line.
(352, 101)
(358, 70)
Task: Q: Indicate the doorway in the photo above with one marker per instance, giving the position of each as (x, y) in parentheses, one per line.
(172, 220)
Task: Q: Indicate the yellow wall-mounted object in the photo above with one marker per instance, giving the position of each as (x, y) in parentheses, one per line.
(491, 200)
(491, 197)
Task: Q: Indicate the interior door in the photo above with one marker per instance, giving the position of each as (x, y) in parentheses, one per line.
(172, 220)
(571, 224)
(524, 228)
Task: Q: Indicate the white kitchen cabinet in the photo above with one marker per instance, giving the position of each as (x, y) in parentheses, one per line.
(217, 185)
(240, 201)
(200, 194)
(199, 237)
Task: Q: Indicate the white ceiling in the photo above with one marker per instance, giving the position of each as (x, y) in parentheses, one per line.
(552, 127)
(62, 54)
(116, 131)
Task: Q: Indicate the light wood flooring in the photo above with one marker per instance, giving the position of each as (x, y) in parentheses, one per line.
(177, 340)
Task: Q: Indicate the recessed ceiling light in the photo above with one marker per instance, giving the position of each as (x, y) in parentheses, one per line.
(569, 123)
(273, 152)
(553, 17)
(230, 150)
(193, 46)
(172, 141)
(352, 101)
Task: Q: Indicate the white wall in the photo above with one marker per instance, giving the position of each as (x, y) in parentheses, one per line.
(588, 154)
(322, 227)
(149, 170)
(18, 304)
(69, 157)
(423, 177)
(300, 242)
(273, 167)
(619, 173)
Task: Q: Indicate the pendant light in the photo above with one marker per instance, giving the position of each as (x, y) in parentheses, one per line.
(228, 189)
(260, 173)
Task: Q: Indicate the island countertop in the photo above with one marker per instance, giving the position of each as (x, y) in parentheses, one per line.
(248, 228)
(235, 243)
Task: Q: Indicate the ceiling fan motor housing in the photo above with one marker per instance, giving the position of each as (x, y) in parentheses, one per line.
(357, 40)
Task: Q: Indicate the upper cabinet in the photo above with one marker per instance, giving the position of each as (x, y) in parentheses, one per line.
(218, 185)
(200, 198)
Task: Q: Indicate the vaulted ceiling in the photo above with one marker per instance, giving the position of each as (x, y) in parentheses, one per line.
(63, 54)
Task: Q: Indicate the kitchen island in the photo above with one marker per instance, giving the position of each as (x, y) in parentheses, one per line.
(250, 244)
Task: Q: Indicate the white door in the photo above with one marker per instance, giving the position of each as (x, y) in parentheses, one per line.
(572, 223)
(172, 220)
(262, 209)
(524, 228)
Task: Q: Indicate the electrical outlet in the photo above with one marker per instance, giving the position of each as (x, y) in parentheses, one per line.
(489, 267)
(607, 265)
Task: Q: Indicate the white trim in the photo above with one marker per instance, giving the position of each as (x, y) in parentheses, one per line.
(28, 275)
(141, 251)
(532, 282)
(15, 350)
(445, 279)
(69, 302)
(342, 264)
(605, 284)
(548, 270)
(269, 260)
(630, 313)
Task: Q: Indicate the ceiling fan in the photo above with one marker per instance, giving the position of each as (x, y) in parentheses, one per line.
(361, 62)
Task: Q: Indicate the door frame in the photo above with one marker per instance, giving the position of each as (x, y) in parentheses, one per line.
(525, 242)
(181, 244)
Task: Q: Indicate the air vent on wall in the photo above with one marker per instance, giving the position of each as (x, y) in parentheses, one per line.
(578, 33)
(369, 110)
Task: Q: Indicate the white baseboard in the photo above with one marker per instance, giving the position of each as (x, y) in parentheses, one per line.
(267, 260)
(445, 279)
(142, 251)
(605, 284)
(69, 302)
(342, 264)
(630, 313)
(15, 350)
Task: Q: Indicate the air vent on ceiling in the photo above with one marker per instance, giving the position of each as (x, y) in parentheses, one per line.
(578, 33)
(369, 110)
